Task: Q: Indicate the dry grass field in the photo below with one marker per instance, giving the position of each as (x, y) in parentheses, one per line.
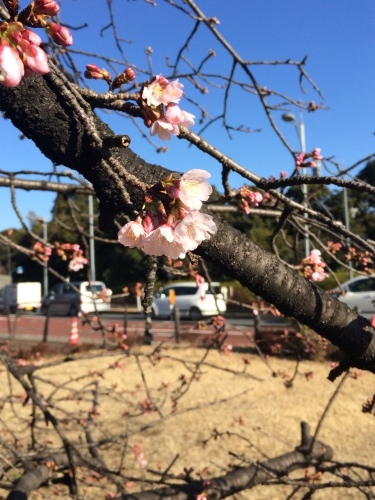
(191, 408)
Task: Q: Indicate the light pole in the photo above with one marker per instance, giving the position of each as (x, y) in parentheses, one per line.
(92, 240)
(300, 128)
(43, 222)
(45, 268)
(9, 262)
(347, 224)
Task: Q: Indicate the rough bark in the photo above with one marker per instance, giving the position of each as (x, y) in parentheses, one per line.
(44, 115)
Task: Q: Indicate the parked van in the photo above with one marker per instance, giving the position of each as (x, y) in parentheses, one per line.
(21, 296)
(193, 302)
(62, 299)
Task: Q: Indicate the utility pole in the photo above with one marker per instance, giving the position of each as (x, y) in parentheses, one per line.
(300, 128)
(92, 240)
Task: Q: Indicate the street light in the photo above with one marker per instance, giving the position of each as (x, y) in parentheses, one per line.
(300, 128)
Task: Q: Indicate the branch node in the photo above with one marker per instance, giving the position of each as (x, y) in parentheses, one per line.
(116, 141)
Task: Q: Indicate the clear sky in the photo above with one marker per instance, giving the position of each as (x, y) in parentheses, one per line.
(337, 36)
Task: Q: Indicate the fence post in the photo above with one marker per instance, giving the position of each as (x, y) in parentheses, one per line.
(176, 317)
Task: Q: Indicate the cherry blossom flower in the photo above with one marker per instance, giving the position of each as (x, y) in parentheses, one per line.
(316, 154)
(319, 274)
(161, 91)
(162, 241)
(177, 116)
(163, 129)
(194, 188)
(160, 111)
(168, 125)
(314, 257)
(194, 228)
(132, 233)
(173, 92)
(77, 263)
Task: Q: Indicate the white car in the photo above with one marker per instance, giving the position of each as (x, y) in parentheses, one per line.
(358, 293)
(192, 301)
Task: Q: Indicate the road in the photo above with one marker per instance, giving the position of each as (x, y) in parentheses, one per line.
(32, 328)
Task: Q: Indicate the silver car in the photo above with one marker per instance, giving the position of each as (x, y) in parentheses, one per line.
(358, 293)
(192, 301)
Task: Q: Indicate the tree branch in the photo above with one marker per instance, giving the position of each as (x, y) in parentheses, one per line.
(43, 114)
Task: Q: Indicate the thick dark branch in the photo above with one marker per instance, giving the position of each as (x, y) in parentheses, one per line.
(243, 478)
(42, 114)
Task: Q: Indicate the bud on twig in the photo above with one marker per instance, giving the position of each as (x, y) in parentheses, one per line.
(93, 72)
(46, 7)
(126, 76)
(60, 34)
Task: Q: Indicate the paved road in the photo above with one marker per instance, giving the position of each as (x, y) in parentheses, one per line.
(31, 328)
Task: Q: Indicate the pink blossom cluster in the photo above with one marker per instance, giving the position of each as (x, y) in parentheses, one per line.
(161, 112)
(73, 253)
(171, 223)
(302, 157)
(334, 247)
(313, 266)
(41, 252)
(362, 260)
(20, 51)
(247, 198)
(20, 54)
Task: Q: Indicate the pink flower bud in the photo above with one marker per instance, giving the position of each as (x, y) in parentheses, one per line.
(60, 34)
(129, 74)
(46, 7)
(11, 66)
(93, 72)
(125, 77)
(173, 192)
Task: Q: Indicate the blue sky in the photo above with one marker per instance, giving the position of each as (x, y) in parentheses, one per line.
(337, 36)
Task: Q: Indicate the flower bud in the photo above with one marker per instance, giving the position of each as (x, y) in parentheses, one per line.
(125, 77)
(60, 34)
(129, 74)
(93, 72)
(46, 7)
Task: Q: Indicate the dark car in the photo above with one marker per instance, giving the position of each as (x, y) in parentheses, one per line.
(63, 299)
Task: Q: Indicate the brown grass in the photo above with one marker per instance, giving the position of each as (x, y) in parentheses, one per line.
(257, 418)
